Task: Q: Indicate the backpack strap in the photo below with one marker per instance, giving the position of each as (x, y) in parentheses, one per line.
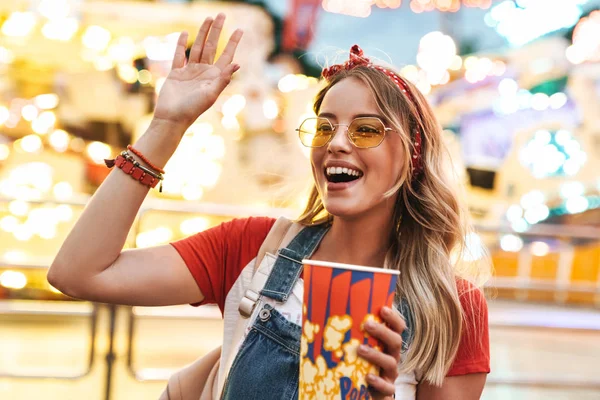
(273, 240)
(282, 232)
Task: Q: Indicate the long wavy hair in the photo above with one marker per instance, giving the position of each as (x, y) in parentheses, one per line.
(428, 244)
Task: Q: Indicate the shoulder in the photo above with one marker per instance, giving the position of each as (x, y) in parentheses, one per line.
(234, 230)
(247, 232)
(217, 256)
(251, 225)
(230, 244)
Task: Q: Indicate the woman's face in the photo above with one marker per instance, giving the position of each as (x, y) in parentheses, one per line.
(378, 168)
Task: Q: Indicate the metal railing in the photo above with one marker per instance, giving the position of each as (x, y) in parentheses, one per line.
(586, 322)
(560, 287)
(165, 313)
(85, 310)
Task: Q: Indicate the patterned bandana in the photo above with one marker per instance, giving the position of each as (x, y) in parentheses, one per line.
(358, 59)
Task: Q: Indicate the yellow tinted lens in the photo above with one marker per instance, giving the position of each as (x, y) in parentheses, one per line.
(315, 132)
(366, 132)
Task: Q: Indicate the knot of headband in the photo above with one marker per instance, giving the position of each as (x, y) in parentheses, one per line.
(358, 59)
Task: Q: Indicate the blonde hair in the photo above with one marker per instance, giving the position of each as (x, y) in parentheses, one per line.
(431, 228)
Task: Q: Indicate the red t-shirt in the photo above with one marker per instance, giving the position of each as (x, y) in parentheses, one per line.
(216, 257)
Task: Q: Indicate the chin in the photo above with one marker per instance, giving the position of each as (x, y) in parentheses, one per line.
(343, 209)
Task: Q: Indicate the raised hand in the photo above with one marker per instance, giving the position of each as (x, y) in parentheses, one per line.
(192, 87)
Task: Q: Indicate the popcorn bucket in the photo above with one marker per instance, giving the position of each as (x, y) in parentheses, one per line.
(338, 300)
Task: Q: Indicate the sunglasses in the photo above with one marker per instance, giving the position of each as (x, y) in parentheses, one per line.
(363, 132)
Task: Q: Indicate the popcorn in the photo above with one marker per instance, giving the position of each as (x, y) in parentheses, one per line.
(350, 349)
(308, 372)
(303, 348)
(347, 379)
(369, 317)
(310, 330)
(335, 331)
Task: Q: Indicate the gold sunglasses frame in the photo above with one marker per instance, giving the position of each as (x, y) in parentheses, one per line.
(335, 131)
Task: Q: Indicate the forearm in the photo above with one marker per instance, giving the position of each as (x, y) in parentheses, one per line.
(99, 235)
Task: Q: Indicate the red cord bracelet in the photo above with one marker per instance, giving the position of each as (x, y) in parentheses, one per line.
(144, 159)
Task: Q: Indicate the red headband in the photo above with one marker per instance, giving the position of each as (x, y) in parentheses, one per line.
(358, 59)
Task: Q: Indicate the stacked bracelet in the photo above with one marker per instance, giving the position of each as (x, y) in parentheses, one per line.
(144, 159)
(137, 171)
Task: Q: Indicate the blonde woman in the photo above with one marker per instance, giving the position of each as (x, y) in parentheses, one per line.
(380, 198)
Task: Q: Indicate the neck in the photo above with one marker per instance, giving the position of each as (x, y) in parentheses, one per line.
(361, 240)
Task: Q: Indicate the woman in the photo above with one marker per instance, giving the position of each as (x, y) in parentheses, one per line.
(380, 198)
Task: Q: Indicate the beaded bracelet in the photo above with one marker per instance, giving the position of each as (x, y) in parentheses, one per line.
(144, 159)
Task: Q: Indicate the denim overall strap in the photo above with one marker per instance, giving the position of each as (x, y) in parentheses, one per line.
(266, 366)
(288, 265)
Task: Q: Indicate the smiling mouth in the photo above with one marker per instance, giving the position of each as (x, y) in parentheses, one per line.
(342, 175)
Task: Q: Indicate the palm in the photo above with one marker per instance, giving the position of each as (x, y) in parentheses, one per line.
(192, 87)
(187, 92)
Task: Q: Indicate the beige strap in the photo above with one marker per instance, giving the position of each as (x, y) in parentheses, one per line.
(196, 380)
(282, 230)
(274, 239)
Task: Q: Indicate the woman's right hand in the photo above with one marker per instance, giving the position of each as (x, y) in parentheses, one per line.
(192, 87)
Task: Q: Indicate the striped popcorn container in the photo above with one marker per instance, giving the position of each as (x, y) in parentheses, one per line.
(338, 300)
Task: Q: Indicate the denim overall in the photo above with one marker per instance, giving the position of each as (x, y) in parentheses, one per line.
(266, 366)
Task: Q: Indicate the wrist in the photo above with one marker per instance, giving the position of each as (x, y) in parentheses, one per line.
(160, 141)
(174, 129)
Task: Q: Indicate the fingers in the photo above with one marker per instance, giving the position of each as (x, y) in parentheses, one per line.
(179, 57)
(393, 319)
(225, 78)
(380, 385)
(389, 335)
(387, 363)
(227, 56)
(210, 47)
(391, 339)
(196, 51)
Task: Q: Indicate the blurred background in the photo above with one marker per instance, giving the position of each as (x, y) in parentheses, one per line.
(515, 84)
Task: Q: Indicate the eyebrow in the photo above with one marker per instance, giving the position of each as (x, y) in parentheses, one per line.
(331, 115)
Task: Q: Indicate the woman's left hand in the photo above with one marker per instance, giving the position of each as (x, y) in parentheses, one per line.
(389, 335)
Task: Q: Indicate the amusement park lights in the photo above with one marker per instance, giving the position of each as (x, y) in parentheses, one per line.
(447, 5)
(553, 153)
(586, 40)
(362, 8)
(437, 53)
(522, 21)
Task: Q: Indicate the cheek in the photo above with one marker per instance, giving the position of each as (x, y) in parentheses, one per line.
(396, 157)
(316, 160)
(398, 165)
(388, 166)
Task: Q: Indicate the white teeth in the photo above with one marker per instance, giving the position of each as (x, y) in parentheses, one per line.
(340, 170)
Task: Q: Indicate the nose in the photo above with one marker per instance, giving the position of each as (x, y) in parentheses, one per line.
(340, 143)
